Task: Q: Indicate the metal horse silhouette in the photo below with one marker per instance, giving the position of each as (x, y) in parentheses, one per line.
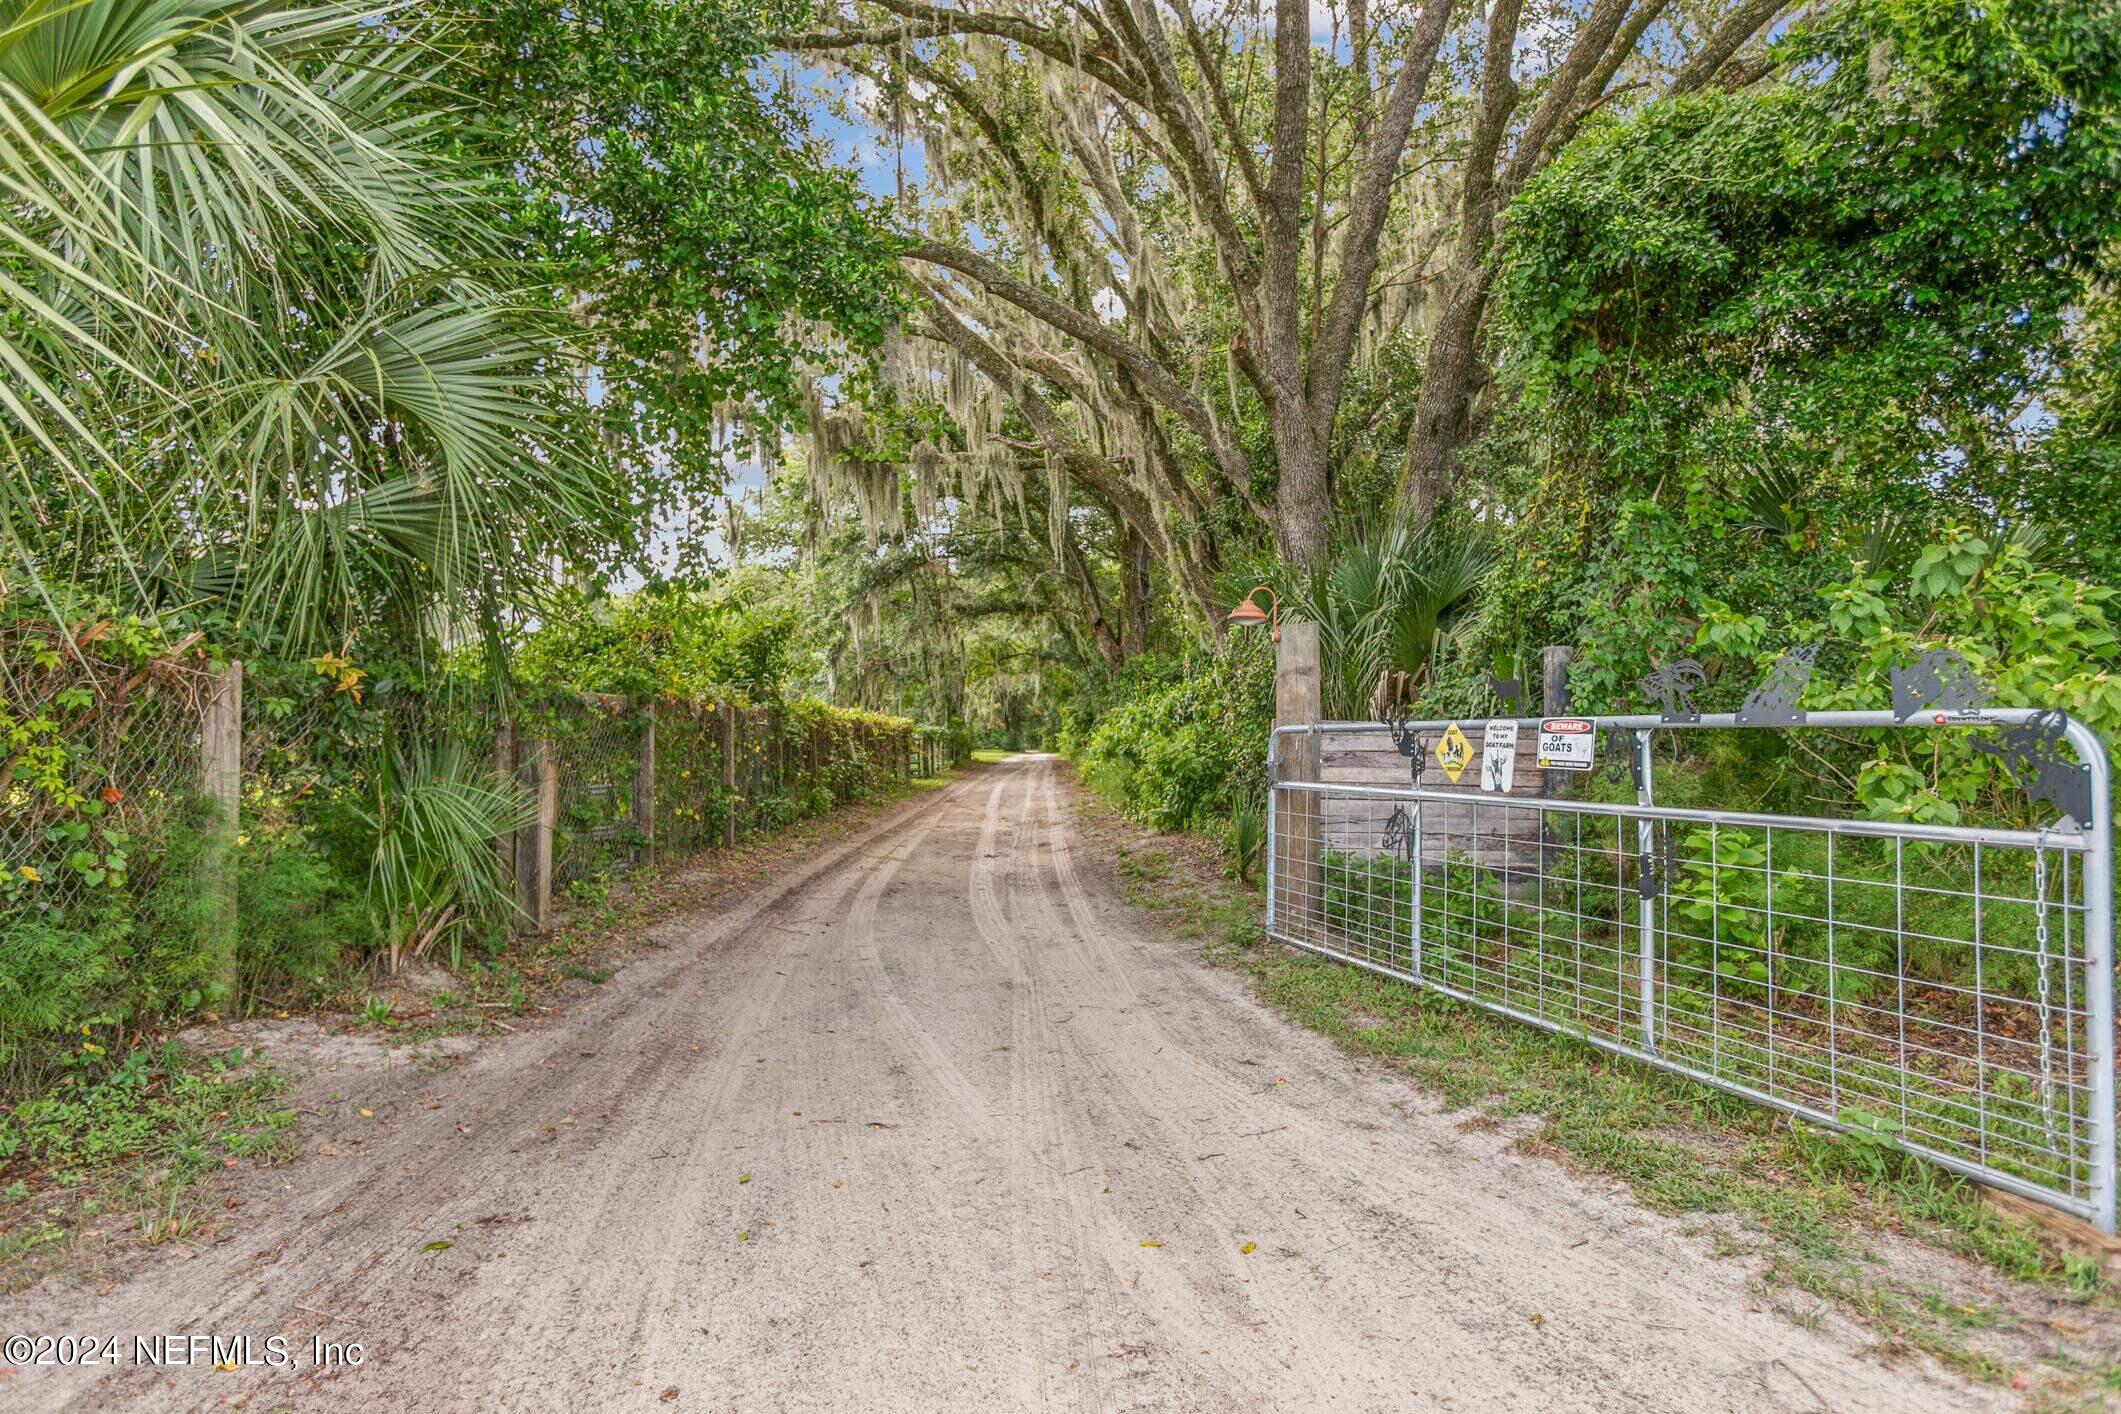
(1939, 681)
(1673, 686)
(1774, 702)
(1399, 833)
(2037, 754)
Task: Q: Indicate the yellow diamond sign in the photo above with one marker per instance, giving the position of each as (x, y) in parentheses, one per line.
(1453, 752)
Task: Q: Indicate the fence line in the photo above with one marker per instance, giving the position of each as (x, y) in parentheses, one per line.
(1943, 988)
(102, 759)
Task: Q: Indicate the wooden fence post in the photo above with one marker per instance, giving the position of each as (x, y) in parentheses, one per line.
(504, 765)
(1299, 817)
(1553, 701)
(1554, 680)
(537, 769)
(221, 783)
(644, 786)
(729, 772)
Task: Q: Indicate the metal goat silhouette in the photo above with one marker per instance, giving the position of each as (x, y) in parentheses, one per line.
(1774, 702)
(1673, 687)
(1511, 693)
(1623, 758)
(2038, 755)
(1939, 681)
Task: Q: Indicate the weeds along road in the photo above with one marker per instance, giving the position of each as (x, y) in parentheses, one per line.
(934, 1122)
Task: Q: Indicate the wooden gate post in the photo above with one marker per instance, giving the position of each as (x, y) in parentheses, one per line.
(1299, 818)
(537, 769)
(1553, 702)
(221, 783)
(1554, 680)
(644, 785)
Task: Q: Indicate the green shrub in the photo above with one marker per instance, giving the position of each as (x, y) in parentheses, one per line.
(297, 916)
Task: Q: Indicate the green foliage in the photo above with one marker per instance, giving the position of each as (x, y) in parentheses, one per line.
(436, 813)
(156, 1108)
(1382, 601)
(667, 181)
(1764, 340)
(298, 918)
(1177, 754)
(679, 640)
(2039, 637)
(278, 367)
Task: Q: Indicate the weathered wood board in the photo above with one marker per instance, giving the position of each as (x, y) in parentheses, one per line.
(1504, 833)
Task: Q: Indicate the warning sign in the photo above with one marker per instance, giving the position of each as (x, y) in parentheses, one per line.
(1498, 757)
(1567, 743)
(1453, 752)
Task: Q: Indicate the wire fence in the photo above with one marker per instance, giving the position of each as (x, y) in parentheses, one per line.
(103, 756)
(1942, 988)
(98, 765)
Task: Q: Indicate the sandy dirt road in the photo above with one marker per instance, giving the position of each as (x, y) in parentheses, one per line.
(969, 1089)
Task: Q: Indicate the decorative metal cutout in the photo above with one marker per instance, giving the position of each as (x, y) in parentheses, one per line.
(1673, 687)
(1940, 681)
(1623, 758)
(1406, 740)
(1657, 866)
(2038, 756)
(1510, 691)
(1774, 702)
(1399, 834)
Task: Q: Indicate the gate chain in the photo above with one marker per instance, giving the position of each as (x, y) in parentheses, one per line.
(2047, 1035)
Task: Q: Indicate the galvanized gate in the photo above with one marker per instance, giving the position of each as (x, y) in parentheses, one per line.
(1946, 988)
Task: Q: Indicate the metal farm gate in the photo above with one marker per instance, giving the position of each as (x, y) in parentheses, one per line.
(1944, 987)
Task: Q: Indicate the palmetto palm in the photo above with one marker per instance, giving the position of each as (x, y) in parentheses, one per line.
(250, 347)
(1381, 600)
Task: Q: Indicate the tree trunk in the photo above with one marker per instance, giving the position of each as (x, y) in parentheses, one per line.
(1135, 590)
(1443, 411)
(1302, 500)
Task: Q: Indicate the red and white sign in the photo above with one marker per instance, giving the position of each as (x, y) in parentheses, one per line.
(1567, 743)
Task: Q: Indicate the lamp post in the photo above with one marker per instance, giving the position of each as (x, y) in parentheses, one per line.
(1248, 614)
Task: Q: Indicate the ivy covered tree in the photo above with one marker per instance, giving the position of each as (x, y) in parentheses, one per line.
(1763, 335)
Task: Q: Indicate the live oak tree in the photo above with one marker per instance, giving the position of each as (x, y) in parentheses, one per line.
(1172, 238)
(710, 250)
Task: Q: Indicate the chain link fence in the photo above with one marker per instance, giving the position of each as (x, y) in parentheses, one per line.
(100, 765)
(121, 762)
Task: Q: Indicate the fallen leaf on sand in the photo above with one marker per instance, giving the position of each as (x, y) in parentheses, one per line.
(1151, 1242)
(437, 1245)
(1248, 1249)
(743, 1178)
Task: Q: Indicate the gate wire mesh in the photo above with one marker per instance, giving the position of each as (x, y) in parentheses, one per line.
(1947, 988)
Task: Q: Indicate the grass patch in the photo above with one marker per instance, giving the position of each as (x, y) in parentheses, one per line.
(1814, 1205)
(988, 755)
(120, 1151)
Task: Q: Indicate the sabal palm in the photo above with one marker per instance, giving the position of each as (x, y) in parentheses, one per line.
(245, 351)
(1380, 601)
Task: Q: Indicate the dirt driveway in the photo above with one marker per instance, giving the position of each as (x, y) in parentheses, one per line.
(933, 1122)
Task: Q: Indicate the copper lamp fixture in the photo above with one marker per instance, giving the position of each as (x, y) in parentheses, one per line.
(1248, 614)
